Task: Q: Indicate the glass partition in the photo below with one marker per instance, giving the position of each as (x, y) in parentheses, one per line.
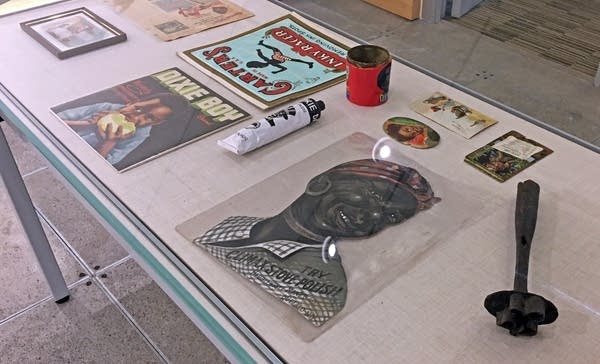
(537, 58)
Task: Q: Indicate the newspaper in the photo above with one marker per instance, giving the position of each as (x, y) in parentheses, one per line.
(172, 19)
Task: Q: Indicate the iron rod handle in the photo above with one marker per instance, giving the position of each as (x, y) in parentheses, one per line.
(528, 193)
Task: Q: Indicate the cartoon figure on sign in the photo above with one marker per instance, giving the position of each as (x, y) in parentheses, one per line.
(293, 255)
(115, 130)
(411, 132)
(275, 60)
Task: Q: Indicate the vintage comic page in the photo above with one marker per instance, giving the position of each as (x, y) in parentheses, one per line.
(144, 118)
(273, 63)
(172, 19)
(506, 156)
(453, 115)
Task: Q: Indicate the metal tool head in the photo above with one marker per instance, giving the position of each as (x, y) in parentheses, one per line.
(520, 312)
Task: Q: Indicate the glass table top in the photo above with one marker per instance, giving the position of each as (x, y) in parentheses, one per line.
(341, 241)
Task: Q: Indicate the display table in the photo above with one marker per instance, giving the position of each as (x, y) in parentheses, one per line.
(430, 310)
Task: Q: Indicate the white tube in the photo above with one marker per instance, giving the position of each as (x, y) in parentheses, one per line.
(273, 127)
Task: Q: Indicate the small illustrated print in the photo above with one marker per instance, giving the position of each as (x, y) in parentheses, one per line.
(507, 155)
(453, 115)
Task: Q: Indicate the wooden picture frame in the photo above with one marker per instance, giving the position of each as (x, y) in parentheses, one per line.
(73, 32)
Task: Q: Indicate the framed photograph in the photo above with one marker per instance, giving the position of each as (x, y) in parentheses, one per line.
(73, 32)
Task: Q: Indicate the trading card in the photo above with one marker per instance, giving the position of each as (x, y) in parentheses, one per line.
(507, 155)
(453, 115)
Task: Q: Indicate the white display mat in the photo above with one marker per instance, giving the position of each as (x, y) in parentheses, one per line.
(433, 311)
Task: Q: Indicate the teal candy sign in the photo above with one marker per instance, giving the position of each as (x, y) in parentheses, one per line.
(274, 63)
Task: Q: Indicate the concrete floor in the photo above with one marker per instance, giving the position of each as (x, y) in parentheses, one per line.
(117, 314)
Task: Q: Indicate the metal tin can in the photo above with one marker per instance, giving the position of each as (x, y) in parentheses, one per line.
(368, 75)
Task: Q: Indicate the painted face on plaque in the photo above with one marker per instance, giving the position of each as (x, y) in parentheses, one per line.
(411, 132)
(360, 198)
(281, 253)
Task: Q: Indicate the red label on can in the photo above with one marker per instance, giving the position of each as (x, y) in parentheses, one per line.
(368, 85)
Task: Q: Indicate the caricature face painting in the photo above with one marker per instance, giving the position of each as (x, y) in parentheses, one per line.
(361, 198)
(351, 201)
(361, 208)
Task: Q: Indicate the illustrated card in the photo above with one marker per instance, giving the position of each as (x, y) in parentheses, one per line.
(452, 115)
(507, 155)
(273, 63)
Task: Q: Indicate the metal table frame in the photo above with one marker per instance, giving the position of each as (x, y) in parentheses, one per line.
(30, 222)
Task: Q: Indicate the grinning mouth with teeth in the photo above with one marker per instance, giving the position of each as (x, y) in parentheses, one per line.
(342, 219)
(353, 225)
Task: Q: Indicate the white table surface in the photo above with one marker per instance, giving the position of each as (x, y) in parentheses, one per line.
(433, 312)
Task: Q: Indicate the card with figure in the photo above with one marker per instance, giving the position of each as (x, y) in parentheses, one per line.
(453, 115)
(507, 155)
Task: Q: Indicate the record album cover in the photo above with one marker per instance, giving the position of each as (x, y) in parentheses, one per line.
(143, 118)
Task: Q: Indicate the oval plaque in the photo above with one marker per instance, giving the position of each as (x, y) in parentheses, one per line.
(411, 132)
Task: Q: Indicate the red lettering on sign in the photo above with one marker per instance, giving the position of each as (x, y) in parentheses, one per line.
(280, 87)
(306, 48)
(214, 52)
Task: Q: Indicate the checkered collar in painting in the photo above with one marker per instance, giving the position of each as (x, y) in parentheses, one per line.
(239, 227)
(232, 228)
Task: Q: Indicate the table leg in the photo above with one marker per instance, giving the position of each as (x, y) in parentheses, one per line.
(31, 223)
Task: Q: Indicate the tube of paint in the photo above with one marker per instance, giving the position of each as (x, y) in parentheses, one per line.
(273, 127)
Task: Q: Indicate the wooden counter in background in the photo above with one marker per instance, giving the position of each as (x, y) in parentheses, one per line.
(409, 9)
